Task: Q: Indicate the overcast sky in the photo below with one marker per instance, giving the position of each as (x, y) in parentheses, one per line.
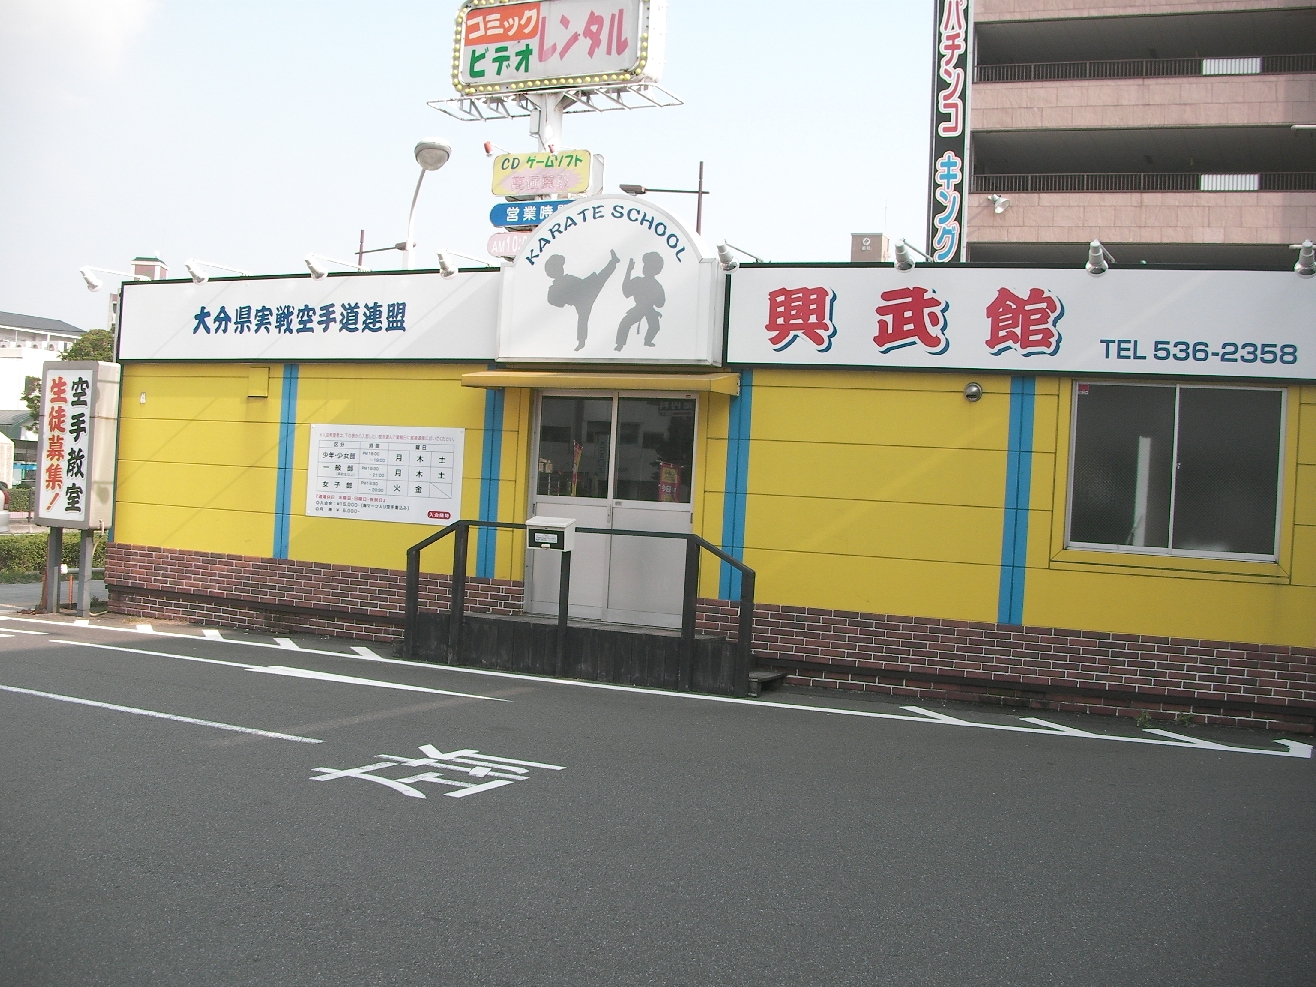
(251, 132)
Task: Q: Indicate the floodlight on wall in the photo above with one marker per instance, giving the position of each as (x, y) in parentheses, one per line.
(904, 260)
(316, 264)
(95, 284)
(727, 258)
(1099, 259)
(1306, 265)
(490, 147)
(999, 203)
(446, 266)
(199, 276)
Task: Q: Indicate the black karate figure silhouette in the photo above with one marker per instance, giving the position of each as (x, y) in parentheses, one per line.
(649, 298)
(580, 293)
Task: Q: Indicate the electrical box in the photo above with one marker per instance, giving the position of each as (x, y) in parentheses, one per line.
(556, 534)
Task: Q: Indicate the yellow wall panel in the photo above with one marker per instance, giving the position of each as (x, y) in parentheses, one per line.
(878, 473)
(924, 419)
(889, 531)
(211, 442)
(1304, 555)
(233, 488)
(194, 392)
(228, 532)
(894, 586)
(1163, 606)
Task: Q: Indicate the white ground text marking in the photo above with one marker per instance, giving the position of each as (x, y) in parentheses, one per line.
(500, 771)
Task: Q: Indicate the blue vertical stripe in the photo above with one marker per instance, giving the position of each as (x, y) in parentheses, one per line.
(737, 485)
(287, 446)
(1018, 488)
(490, 466)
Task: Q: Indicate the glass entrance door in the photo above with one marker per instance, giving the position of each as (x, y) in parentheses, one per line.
(622, 461)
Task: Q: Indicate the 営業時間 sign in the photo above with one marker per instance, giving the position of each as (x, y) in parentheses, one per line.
(378, 473)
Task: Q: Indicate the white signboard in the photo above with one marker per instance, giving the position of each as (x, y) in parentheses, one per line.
(75, 454)
(1199, 323)
(612, 279)
(552, 44)
(394, 316)
(379, 473)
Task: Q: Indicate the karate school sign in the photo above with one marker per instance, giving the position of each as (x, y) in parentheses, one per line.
(612, 279)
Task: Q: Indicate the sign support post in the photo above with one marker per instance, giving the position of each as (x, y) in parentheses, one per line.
(85, 551)
(54, 558)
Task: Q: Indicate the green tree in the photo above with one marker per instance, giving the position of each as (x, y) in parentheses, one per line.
(95, 344)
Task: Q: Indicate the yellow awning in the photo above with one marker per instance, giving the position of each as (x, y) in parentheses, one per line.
(570, 381)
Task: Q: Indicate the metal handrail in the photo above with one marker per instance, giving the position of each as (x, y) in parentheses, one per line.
(694, 544)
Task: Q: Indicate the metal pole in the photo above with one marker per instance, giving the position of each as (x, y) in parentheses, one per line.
(685, 675)
(84, 572)
(699, 209)
(563, 608)
(54, 558)
(745, 646)
(463, 536)
(413, 603)
(361, 250)
(411, 226)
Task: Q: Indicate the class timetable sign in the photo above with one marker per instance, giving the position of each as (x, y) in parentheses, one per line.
(380, 473)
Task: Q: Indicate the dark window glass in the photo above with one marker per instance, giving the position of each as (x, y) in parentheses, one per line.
(575, 436)
(1123, 465)
(1220, 481)
(1225, 495)
(655, 449)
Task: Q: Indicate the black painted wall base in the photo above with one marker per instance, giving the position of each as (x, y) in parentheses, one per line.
(620, 655)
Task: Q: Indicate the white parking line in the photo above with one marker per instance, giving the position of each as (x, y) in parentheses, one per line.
(162, 716)
(913, 714)
(300, 673)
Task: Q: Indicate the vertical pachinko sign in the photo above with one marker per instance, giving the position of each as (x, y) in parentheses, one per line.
(952, 64)
(75, 468)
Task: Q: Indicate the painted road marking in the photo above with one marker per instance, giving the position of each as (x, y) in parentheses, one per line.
(162, 716)
(145, 629)
(501, 771)
(82, 623)
(212, 635)
(287, 642)
(365, 652)
(1291, 748)
(300, 673)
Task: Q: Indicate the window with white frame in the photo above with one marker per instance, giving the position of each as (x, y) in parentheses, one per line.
(1177, 470)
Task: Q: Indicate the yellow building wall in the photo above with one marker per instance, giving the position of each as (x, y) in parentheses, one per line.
(198, 458)
(423, 395)
(877, 491)
(1255, 602)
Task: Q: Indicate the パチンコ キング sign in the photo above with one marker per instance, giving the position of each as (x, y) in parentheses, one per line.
(75, 453)
(556, 44)
(612, 279)
(950, 131)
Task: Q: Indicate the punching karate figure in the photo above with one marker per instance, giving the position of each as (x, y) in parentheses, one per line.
(579, 293)
(648, 296)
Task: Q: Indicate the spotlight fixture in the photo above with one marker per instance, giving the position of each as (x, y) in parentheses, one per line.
(1306, 265)
(1099, 259)
(999, 203)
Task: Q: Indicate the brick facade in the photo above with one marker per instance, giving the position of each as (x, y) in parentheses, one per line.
(918, 657)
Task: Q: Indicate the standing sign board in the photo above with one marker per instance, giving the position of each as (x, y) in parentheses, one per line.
(563, 173)
(75, 455)
(396, 316)
(379, 473)
(1243, 324)
(554, 44)
(612, 279)
(950, 131)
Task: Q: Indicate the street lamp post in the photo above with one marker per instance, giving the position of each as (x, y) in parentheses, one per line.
(700, 192)
(431, 156)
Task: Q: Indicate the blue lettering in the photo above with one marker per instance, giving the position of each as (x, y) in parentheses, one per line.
(618, 211)
(569, 223)
(597, 212)
(647, 220)
(673, 241)
(661, 230)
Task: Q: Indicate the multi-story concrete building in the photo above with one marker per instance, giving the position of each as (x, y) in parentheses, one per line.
(1175, 131)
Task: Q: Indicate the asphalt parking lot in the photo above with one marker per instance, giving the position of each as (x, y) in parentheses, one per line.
(203, 807)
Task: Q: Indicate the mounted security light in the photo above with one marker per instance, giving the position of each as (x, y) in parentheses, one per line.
(727, 258)
(1306, 265)
(94, 283)
(1099, 259)
(999, 203)
(315, 263)
(904, 262)
(201, 277)
(446, 267)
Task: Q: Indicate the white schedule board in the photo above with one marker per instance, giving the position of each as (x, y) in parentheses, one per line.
(381, 473)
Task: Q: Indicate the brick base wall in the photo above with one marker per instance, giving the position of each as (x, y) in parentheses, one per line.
(917, 657)
(208, 587)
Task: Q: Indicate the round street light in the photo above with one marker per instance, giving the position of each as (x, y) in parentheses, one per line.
(432, 155)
